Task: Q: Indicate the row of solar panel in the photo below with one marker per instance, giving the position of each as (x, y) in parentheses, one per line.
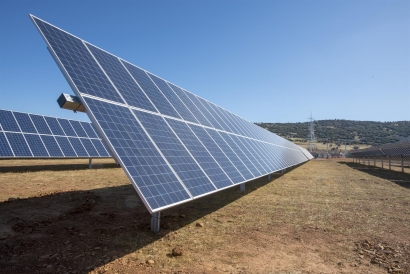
(29, 135)
(396, 149)
(101, 74)
(205, 160)
(173, 145)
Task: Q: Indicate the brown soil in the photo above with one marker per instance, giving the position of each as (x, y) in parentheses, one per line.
(57, 216)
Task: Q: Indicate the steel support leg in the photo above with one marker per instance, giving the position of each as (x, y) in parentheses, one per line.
(269, 177)
(382, 162)
(90, 163)
(242, 187)
(402, 163)
(389, 163)
(155, 221)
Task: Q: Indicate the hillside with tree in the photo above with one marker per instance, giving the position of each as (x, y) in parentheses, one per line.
(335, 131)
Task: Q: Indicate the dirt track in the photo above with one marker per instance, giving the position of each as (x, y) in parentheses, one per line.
(57, 216)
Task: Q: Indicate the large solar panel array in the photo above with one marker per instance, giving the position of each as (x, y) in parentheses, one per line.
(395, 149)
(24, 135)
(173, 145)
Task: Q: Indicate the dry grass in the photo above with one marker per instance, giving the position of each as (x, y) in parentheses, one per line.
(321, 146)
(313, 219)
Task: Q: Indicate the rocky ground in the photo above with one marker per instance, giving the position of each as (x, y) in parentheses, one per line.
(57, 216)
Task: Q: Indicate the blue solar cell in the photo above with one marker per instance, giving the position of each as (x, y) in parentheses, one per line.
(68, 129)
(65, 146)
(230, 119)
(141, 160)
(124, 83)
(7, 121)
(52, 146)
(89, 130)
(100, 147)
(18, 144)
(173, 99)
(212, 113)
(225, 119)
(153, 93)
(5, 149)
(204, 111)
(266, 160)
(238, 151)
(213, 110)
(89, 147)
(191, 106)
(200, 153)
(34, 126)
(78, 147)
(272, 160)
(229, 152)
(78, 128)
(36, 145)
(40, 124)
(249, 152)
(218, 154)
(54, 125)
(25, 123)
(78, 62)
(178, 157)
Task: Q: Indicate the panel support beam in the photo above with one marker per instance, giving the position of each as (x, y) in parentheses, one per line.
(242, 187)
(382, 161)
(90, 163)
(155, 221)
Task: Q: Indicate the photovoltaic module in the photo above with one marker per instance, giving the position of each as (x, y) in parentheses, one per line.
(173, 145)
(24, 135)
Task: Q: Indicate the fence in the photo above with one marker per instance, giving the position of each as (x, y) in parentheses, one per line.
(394, 156)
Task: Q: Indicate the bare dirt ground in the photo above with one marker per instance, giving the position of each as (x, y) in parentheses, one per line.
(325, 216)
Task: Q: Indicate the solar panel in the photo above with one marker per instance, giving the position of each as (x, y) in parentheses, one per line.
(24, 135)
(173, 145)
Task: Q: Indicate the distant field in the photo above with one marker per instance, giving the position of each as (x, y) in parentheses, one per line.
(321, 146)
(324, 216)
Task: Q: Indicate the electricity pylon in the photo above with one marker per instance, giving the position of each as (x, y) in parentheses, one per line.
(311, 138)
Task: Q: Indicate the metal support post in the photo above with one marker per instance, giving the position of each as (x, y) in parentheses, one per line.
(382, 161)
(374, 160)
(90, 163)
(155, 221)
(242, 187)
(363, 160)
(368, 160)
(402, 163)
(389, 163)
(269, 177)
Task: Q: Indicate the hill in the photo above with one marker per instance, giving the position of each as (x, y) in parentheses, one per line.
(354, 132)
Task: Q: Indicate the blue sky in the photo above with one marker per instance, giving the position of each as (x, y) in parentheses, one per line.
(267, 61)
